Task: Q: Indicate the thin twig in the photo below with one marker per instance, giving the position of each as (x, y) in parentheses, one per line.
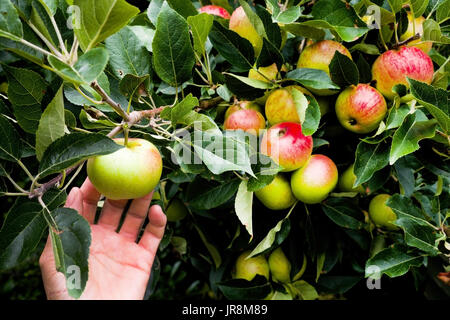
(108, 100)
(402, 43)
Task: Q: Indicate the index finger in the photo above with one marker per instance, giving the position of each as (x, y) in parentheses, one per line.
(90, 200)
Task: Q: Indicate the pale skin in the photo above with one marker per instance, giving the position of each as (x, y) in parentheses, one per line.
(119, 266)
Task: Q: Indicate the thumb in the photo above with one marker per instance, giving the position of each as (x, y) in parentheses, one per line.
(75, 200)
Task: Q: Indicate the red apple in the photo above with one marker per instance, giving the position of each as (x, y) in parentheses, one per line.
(129, 173)
(240, 23)
(287, 146)
(244, 116)
(360, 108)
(393, 66)
(315, 180)
(215, 10)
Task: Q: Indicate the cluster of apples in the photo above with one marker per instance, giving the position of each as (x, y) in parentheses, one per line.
(276, 266)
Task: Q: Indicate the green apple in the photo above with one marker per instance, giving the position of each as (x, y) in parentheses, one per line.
(287, 145)
(248, 268)
(240, 23)
(280, 105)
(315, 180)
(277, 195)
(360, 108)
(129, 173)
(176, 210)
(381, 214)
(280, 267)
(394, 66)
(414, 28)
(265, 74)
(346, 181)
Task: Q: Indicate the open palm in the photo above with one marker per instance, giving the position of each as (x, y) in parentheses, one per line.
(119, 268)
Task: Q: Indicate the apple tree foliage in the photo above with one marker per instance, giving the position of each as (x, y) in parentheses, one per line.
(76, 73)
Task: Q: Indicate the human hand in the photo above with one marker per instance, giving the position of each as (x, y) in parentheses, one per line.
(119, 268)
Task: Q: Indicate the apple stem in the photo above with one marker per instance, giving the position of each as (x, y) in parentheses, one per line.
(402, 43)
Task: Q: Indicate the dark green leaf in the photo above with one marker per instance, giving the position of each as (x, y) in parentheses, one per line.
(70, 149)
(173, 55)
(10, 25)
(100, 19)
(269, 55)
(343, 70)
(406, 138)
(10, 142)
(216, 196)
(235, 49)
(72, 243)
(393, 262)
(240, 289)
(344, 213)
(25, 87)
(128, 54)
(312, 78)
(369, 159)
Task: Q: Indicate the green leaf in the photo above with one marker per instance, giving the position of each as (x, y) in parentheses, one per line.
(436, 101)
(240, 289)
(235, 49)
(405, 175)
(302, 30)
(222, 152)
(215, 254)
(28, 117)
(90, 122)
(41, 20)
(23, 228)
(87, 68)
(100, 19)
(73, 148)
(418, 232)
(304, 290)
(272, 29)
(366, 48)
(173, 55)
(406, 138)
(432, 32)
(312, 78)
(10, 25)
(311, 121)
(396, 116)
(128, 54)
(130, 84)
(344, 213)
(419, 7)
(364, 70)
(266, 243)
(23, 50)
(284, 15)
(183, 7)
(269, 55)
(153, 10)
(179, 112)
(145, 35)
(343, 70)
(265, 171)
(201, 26)
(243, 207)
(442, 11)
(393, 262)
(341, 19)
(51, 125)
(370, 158)
(72, 244)
(10, 142)
(25, 87)
(215, 196)
(244, 88)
